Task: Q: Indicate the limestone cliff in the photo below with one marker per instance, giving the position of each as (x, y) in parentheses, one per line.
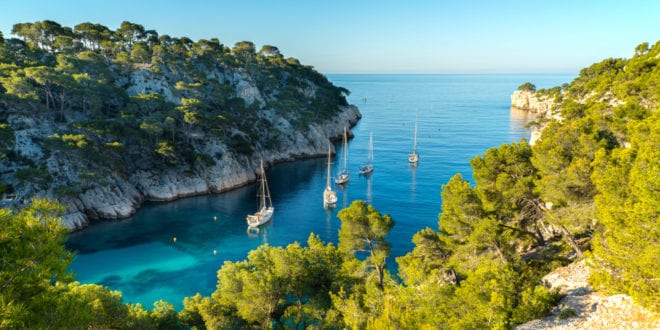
(182, 125)
(542, 105)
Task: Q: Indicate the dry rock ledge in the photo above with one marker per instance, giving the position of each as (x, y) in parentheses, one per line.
(582, 308)
(121, 194)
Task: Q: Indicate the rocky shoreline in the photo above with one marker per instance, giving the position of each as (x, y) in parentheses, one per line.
(122, 196)
(542, 106)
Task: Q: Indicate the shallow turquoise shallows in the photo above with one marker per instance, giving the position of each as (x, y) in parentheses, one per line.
(460, 116)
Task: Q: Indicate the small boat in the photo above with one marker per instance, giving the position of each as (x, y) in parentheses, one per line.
(266, 209)
(368, 167)
(343, 176)
(413, 158)
(329, 196)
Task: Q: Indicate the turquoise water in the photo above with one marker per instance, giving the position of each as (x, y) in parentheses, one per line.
(460, 116)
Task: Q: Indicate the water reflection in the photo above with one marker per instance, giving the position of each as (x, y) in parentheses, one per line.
(369, 193)
(518, 120)
(413, 182)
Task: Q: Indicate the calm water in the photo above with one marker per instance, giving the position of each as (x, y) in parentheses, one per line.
(460, 116)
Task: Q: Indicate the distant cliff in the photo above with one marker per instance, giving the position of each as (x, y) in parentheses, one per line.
(114, 118)
(542, 105)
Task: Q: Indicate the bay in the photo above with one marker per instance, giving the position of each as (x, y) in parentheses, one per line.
(460, 116)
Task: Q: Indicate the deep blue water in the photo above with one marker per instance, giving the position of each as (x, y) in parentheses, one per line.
(460, 116)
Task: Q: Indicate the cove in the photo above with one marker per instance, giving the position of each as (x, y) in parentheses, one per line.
(460, 116)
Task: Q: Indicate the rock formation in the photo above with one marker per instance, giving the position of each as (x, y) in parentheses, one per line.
(543, 106)
(582, 308)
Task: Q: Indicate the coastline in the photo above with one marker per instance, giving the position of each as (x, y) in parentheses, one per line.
(123, 195)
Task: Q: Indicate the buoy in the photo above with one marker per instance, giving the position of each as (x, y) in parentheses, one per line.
(215, 218)
(174, 239)
(215, 251)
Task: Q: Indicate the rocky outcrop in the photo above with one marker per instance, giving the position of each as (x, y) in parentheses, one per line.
(543, 106)
(582, 308)
(120, 197)
(532, 101)
(91, 189)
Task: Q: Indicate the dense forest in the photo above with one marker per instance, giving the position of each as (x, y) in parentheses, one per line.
(589, 188)
(87, 107)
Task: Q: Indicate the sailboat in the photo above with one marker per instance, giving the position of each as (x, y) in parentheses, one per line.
(266, 210)
(369, 167)
(413, 158)
(343, 176)
(329, 196)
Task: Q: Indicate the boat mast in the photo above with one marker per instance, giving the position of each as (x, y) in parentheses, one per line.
(415, 139)
(345, 151)
(328, 181)
(264, 188)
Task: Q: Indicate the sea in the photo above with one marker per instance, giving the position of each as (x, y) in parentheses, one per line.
(171, 250)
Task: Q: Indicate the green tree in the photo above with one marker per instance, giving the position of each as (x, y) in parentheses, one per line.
(505, 185)
(92, 35)
(32, 258)
(130, 33)
(626, 247)
(288, 286)
(528, 86)
(363, 229)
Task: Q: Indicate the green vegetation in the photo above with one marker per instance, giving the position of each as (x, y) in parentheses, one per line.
(589, 187)
(131, 98)
(528, 86)
(566, 313)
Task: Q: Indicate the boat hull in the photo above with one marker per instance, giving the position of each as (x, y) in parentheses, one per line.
(413, 158)
(342, 178)
(329, 197)
(261, 217)
(366, 169)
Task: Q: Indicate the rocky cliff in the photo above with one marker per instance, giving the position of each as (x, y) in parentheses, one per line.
(102, 134)
(543, 106)
(121, 196)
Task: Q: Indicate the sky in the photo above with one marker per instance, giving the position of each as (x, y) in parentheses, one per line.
(384, 36)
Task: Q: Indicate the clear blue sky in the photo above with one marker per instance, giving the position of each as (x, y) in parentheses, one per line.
(383, 36)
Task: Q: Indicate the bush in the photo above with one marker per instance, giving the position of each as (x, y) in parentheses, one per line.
(528, 86)
(566, 313)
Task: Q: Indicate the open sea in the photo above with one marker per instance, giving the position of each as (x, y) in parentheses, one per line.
(460, 116)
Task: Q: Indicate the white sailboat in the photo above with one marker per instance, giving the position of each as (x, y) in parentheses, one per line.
(266, 209)
(413, 158)
(369, 167)
(329, 196)
(343, 176)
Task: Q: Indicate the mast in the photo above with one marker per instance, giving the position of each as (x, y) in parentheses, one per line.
(415, 139)
(328, 180)
(265, 192)
(345, 151)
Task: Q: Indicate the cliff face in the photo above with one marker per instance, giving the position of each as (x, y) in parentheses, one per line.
(543, 106)
(122, 196)
(275, 120)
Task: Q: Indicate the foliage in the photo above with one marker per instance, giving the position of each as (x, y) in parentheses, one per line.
(278, 286)
(593, 174)
(363, 230)
(82, 81)
(528, 86)
(566, 313)
(628, 207)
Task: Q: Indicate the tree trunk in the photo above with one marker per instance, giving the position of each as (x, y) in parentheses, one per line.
(539, 236)
(569, 238)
